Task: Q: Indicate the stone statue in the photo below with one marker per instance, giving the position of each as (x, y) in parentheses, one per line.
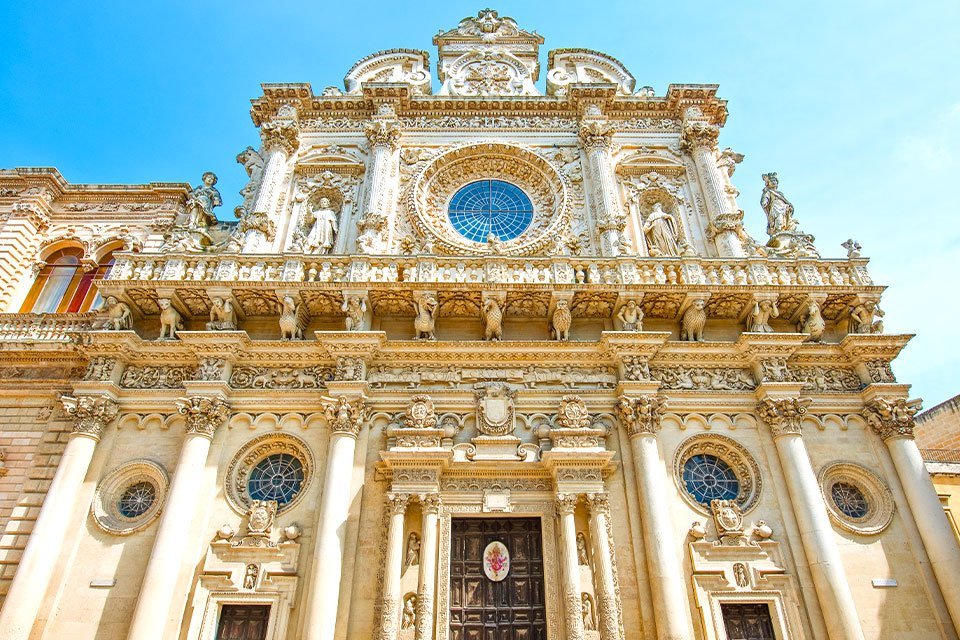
(292, 319)
(118, 316)
(862, 318)
(812, 322)
(562, 319)
(778, 209)
(586, 608)
(201, 201)
(323, 231)
(409, 618)
(728, 161)
(582, 558)
(763, 311)
(494, 245)
(423, 324)
(253, 164)
(222, 316)
(493, 319)
(413, 550)
(693, 321)
(250, 576)
(170, 321)
(355, 307)
(630, 316)
(853, 248)
(661, 232)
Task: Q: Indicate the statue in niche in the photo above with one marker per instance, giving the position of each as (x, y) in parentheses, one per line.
(862, 318)
(250, 576)
(630, 316)
(355, 307)
(118, 316)
(424, 323)
(586, 608)
(222, 316)
(812, 322)
(779, 210)
(763, 311)
(201, 201)
(413, 551)
(661, 232)
(582, 558)
(323, 230)
(408, 618)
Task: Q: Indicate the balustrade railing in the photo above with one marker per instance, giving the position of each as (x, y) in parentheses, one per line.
(43, 327)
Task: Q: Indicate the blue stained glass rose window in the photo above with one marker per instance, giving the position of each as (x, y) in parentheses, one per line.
(490, 206)
(137, 499)
(276, 477)
(849, 500)
(709, 478)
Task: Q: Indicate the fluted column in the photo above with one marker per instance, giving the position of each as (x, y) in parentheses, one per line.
(281, 138)
(155, 615)
(892, 420)
(345, 419)
(784, 416)
(91, 414)
(596, 137)
(608, 597)
(392, 567)
(566, 506)
(430, 506)
(699, 139)
(384, 137)
(640, 415)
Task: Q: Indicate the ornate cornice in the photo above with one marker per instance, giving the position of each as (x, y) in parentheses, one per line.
(783, 415)
(203, 414)
(891, 418)
(90, 414)
(641, 414)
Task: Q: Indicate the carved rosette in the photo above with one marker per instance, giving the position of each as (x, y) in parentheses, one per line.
(566, 503)
(891, 418)
(596, 134)
(344, 416)
(420, 413)
(783, 415)
(698, 135)
(383, 133)
(280, 134)
(641, 414)
(203, 414)
(91, 414)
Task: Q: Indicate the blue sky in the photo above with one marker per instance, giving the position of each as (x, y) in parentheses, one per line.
(855, 104)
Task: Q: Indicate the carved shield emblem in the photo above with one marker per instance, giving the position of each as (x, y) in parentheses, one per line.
(494, 409)
(496, 561)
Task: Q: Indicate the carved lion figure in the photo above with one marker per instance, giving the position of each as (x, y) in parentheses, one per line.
(170, 321)
(693, 321)
(562, 319)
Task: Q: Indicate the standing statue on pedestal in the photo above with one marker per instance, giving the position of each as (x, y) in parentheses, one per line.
(201, 202)
(661, 232)
(323, 231)
(779, 210)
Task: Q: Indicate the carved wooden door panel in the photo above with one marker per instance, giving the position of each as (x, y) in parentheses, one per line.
(243, 622)
(747, 621)
(481, 609)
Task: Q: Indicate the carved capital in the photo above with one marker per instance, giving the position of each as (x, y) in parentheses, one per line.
(280, 134)
(732, 221)
(203, 414)
(696, 135)
(344, 416)
(397, 503)
(599, 503)
(641, 414)
(596, 134)
(383, 133)
(891, 418)
(430, 503)
(567, 503)
(90, 413)
(783, 415)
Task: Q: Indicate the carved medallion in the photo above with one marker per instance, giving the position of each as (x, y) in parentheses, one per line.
(573, 413)
(495, 410)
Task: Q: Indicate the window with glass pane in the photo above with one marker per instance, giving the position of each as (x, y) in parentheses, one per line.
(849, 500)
(709, 478)
(277, 477)
(62, 286)
(490, 207)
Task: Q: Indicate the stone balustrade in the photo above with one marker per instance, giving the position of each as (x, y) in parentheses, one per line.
(45, 327)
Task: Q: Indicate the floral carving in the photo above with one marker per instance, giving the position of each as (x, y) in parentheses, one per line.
(891, 418)
(203, 414)
(156, 377)
(783, 415)
(90, 414)
(696, 135)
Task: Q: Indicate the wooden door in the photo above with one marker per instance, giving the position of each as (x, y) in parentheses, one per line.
(747, 621)
(243, 622)
(481, 609)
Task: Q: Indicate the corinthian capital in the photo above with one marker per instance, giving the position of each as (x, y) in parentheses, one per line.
(783, 415)
(698, 134)
(596, 134)
(397, 503)
(345, 416)
(641, 414)
(599, 503)
(891, 418)
(282, 134)
(567, 503)
(430, 503)
(383, 133)
(204, 414)
(90, 413)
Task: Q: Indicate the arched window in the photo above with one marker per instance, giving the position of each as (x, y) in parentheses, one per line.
(62, 286)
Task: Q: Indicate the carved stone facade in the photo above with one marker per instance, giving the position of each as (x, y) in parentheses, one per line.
(476, 297)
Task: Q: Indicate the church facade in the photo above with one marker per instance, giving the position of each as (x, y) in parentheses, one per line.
(496, 360)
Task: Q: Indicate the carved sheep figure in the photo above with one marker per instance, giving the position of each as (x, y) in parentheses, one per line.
(693, 321)
(170, 321)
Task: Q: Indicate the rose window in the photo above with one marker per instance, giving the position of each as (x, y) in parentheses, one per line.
(137, 499)
(849, 500)
(277, 477)
(488, 207)
(707, 478)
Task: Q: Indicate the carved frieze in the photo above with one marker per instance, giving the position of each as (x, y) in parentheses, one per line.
(156, 377)
(704, 378)
(311, 377)
(827, 378)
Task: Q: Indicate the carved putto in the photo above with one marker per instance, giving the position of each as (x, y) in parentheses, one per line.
(345, 416)
(495, 408)
(891, 418)
(355, 308)
(630, 316)
(640, 414)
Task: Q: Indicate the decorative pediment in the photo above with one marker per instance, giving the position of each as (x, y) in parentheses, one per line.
(408, 66)
(664, 161)
(316, 159)
(585, 66)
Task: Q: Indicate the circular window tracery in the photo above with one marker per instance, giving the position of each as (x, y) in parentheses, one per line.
(490, 207)
(276, 477)
(130, 497)
(714, 467)
(274, 466)
(856, 498)
(849, 500)
(137, 499)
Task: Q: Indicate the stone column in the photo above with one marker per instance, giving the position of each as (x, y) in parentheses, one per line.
(783, 416)
(429, 541)
(384, 137)
(156, 615)
(280, 140)
(566, 505)
(345, 419)
(699, 139)
(608, 592)
(892, 420)
(91, 414)
(392, 568)
(640, 415)
(596, 138)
